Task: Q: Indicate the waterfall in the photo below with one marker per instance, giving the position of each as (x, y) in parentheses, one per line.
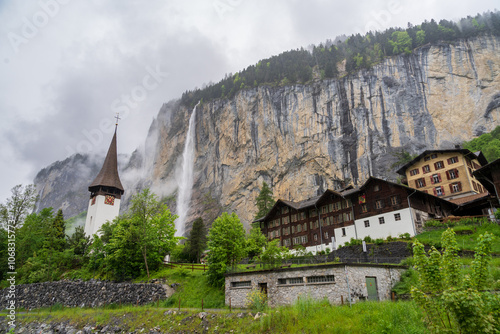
(185, 181)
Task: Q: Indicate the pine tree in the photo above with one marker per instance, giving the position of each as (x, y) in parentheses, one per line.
(265, 201)
(59, 231)
(197, 240)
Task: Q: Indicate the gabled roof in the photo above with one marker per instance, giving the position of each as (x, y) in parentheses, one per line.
(484, 174)
(469, 199)
(108, 176)
(473, 155)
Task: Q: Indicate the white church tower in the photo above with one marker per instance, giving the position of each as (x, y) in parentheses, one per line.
(105, 193)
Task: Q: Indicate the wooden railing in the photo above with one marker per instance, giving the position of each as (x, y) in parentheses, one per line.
(192, 266)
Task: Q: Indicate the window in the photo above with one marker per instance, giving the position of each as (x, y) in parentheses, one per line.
(376, 187)
(452, 174)
(302, 215)
(277, 222)
(420, 183)
(293, 229)
(436, 178)
(330, 207)
(320, 279)
(304, 239)
(291, 280)
(294, 218)
(426, 169)
(379, 204)
(438, 165)
(347, 216)
(241, 284)
(299, 228)
(348, 203)
(313, 213)
(338, 206)
(414, 172)
(438, 191)
(395, 200)
(427, 158)
(277, 233)
(456, 187)
(381, 220)
(364, 208)
(343, 232)
(367, 223)
(326, 235)
(397, 216)
(284, 209)
(305, 227)
(452, 160)
(286, 242)
(286, 220)
(324, 209)
(296, 240)
(340, 218)
(315, 237)
(434, 155)
(286, 230)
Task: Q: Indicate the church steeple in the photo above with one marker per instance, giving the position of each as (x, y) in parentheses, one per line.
(105, 192)
(108, 176)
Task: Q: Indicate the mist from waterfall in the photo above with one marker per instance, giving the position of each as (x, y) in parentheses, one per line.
(185, 181)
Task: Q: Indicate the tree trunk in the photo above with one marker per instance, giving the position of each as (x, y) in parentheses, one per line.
(145, 260)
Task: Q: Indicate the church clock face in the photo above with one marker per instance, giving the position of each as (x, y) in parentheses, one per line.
(110, 200)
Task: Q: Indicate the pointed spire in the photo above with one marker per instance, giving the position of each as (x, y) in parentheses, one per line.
(108, 176)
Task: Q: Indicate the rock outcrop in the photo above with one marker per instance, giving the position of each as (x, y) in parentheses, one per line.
(303, 139)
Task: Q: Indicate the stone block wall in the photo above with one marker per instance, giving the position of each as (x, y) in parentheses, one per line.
(285, 285)
(85, 293)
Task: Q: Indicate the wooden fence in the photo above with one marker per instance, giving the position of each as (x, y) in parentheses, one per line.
(192, 266)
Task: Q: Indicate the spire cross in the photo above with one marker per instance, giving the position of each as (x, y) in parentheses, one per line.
(117, 118)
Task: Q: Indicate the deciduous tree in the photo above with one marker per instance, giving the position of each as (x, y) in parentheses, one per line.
(226, 245)
(18, 206)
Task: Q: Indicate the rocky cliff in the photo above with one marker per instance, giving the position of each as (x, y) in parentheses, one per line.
(303, 139)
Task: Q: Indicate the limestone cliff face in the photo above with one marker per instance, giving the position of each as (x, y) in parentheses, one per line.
(303, 139)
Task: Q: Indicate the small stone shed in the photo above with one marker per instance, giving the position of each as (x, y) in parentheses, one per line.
(337, 282)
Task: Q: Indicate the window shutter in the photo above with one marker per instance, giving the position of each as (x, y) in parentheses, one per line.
(456, 171)
(442, 190)
(434, 190)
(449, 161)
(448, 174)
(439, 176)
(451, 188)
(459, 186)
(432, 179)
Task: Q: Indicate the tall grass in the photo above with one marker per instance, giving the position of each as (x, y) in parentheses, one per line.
(191, 288)
(312, 316)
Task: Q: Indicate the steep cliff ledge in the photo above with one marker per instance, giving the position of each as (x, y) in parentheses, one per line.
(302, 139)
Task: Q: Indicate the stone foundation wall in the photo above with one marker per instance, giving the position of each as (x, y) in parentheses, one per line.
(349, 281)
(85, 293)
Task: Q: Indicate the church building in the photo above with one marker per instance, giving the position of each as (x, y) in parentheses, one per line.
(105, 193)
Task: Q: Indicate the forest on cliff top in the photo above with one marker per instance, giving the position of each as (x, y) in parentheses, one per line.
(345, 55)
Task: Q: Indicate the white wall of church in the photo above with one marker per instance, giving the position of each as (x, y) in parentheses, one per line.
(99, 213)
(387, 224)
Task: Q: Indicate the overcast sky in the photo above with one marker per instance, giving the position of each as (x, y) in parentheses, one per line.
(67, 66)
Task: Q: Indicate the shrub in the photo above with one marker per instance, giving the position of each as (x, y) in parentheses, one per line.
(405, 236)
(368, 239)
(257, 300)
(379, 241)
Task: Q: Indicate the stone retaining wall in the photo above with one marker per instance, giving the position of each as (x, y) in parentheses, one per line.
(85, 293)
(349, 282)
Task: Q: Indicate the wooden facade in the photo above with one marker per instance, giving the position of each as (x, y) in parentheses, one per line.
(315, 221)
(445, 173)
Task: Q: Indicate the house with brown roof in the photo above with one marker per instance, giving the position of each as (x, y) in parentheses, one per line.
(377, 209)
(445, 173)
